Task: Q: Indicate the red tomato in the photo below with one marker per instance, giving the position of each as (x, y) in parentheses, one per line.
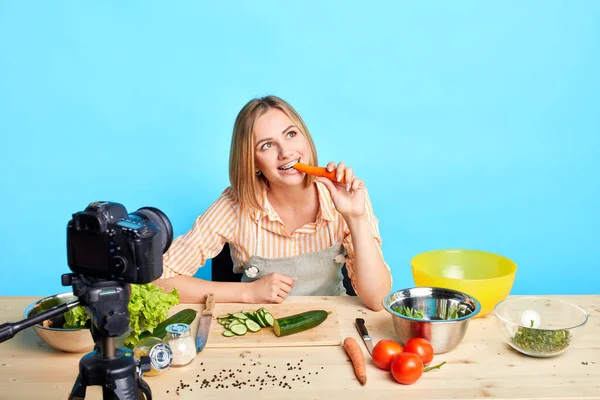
(407, 368)
(420, 347)
(383, 353)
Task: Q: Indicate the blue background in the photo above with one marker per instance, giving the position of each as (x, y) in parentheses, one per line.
(474, 125)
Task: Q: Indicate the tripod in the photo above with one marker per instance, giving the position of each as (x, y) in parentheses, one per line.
(115, 369)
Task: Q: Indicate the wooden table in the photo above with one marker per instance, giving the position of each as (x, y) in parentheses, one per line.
(482, 366)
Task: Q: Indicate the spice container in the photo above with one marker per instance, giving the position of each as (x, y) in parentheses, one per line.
(161, 355)
(182, 344)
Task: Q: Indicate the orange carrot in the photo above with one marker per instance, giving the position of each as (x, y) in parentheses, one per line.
(358, 359)
(318, 171)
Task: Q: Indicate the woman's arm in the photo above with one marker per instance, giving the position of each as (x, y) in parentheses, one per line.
(272, 288)
(193, 290)
(371, 276)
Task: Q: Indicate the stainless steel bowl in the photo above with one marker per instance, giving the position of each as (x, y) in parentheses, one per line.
(69, 340)
(443, 333)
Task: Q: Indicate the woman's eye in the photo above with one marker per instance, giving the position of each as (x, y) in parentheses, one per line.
(266, 146)
(291, 134)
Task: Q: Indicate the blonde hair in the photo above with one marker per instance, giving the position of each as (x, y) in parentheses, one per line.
(247, 186)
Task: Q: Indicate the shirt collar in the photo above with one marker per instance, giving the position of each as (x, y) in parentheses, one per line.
(326, 207)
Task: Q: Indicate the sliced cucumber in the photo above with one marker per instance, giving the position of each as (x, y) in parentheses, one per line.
(261, 320)
(269, 318)
(252, 326)
(228, 333)
(240, 315)
(239, 329)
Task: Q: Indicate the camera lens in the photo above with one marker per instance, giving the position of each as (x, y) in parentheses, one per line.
(162, 222)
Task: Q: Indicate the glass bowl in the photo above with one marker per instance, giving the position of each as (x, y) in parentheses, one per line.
(540, 326)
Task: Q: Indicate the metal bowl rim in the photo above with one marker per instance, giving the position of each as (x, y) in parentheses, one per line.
(40, 326)
(440, 321)
(575, 306)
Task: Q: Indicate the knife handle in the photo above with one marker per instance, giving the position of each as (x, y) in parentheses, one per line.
(210, 304)
(362, 329)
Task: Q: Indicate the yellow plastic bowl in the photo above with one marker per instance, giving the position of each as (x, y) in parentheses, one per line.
(486, 276)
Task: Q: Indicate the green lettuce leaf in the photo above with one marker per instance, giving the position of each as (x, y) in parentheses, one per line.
(75, 318)
(149, 306)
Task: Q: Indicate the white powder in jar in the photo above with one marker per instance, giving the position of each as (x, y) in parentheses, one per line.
(184, 350)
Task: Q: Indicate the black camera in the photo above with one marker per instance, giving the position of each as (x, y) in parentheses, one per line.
(106, 242)
(107, 249)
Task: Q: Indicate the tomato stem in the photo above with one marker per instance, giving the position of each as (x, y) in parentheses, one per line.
(434, 367)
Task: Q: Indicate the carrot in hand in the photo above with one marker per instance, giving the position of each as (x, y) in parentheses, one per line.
(318, 171)
(358, 359)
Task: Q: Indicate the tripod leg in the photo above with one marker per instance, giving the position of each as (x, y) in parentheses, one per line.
(78, 391)
(144, 390)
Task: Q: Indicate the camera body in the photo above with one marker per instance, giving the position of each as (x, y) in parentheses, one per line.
(106, 242)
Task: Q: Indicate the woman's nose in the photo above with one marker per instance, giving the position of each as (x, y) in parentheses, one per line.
(285, 152)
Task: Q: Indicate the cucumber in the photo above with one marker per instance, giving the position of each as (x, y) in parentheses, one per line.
(238, 329)
(269, 318)
(252, 326)
(186, 316)
(228, 333)
(299, 322)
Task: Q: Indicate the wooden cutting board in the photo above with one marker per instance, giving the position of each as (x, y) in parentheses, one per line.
(325, 334)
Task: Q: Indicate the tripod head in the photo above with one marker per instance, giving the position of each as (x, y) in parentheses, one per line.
(106, 301)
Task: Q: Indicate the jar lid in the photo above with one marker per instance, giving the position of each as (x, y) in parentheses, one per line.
(161, 356)
(177, 330)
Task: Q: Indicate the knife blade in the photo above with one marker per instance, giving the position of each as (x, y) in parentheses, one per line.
(362, 329)
(204, 323)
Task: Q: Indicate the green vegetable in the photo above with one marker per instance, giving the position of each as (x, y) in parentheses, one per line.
(186, 316)
(541, 341)
(408, 311)
(455, 311)
(76, 317)
(239, 323)
(299, 322)
(148, 306)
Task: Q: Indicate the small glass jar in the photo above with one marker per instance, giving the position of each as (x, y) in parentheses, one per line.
(160, 353)
(182, 344)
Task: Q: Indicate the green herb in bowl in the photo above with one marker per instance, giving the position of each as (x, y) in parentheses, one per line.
(540, 326)
(453, 312)
(541, 341)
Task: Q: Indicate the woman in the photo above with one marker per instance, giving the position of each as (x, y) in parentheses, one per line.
(289, 233)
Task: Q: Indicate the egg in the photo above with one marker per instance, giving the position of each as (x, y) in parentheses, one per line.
(531, 319)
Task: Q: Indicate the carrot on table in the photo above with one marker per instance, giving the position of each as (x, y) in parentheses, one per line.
(358, 359)
(319, 171)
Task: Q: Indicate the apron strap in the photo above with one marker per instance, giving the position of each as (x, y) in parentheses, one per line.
(258, 235)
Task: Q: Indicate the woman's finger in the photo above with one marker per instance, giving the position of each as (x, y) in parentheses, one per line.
(285, 287)
(282, 293)
(330, 166)
(341, 167)
(356, 185)
(348, 178)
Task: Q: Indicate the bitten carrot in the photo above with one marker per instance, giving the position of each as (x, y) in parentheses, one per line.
(358, 359)
(318, 171)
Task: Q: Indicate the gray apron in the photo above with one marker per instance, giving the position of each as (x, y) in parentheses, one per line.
(318, 273)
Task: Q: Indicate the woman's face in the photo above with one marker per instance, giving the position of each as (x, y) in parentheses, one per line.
(279, 144)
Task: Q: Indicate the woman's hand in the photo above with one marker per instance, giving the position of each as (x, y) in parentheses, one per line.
(348, 197)
(273, 288)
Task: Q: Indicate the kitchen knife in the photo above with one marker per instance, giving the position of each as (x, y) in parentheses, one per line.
(204, 324)
(362, 329)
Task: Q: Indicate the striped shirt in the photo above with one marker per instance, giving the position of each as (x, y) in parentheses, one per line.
(228, 221)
